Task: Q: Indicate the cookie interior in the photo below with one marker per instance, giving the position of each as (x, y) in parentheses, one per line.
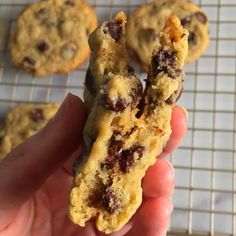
(127, 126)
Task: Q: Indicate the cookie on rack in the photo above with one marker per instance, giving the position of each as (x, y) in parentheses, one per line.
(146, 22)
(21, 122)
(127, 127)
(52, 36)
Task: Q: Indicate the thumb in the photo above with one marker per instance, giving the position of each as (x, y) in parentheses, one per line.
(26, 168)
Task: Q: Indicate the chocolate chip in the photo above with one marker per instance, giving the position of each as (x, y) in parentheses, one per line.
(90, 82)
(179, 93)
(42, 47)
(133, 129)
(70, 3)
(126, 161)
(110, 202)
(130, 69)
(43, 13)
(139, 150)
(142, 102)
(136, 94)
(29, 62)
(37, 114)
(191, 38)
(109, 163)
(115, 29)
(127, 158)
(175, 96)
(116, 105)
(114, 152)
(68, 51)
(201, 17)
(115, 146)
(116, 133)
(139, 90)
(120, 104)
(185, 21)
(164, 61)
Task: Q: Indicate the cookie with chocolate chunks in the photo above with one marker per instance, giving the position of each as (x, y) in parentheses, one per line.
(146, 22)
(52, 36)
(122, 140)
(21, 122)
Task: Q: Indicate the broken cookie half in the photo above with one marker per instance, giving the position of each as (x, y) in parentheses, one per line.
(127, 126)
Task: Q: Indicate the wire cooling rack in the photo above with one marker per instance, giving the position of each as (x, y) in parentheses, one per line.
(205, 193)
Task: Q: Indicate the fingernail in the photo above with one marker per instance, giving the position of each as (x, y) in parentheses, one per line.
(64, 108)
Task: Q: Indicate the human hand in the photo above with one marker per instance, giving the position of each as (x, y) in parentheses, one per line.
(36, 177)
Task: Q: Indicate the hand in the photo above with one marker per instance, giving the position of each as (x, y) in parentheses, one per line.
(35, 181)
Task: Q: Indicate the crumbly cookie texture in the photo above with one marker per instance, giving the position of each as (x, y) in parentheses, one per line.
(146, 22)
(127, 127)
(52, 36)
(21, 122)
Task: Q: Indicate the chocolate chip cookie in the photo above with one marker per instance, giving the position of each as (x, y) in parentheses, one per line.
(52, 36)
(127, 126)
(146, 22)
(23, 121)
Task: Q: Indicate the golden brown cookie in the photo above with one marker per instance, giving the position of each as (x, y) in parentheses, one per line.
(52, 36)
(146, 22)
(21, 122)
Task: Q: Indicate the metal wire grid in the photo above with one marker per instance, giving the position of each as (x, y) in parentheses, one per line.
(205, 196)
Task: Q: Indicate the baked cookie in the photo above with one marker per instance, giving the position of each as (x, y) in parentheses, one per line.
(126, 127)
(52, 36)
(23, 121)
(146, 22)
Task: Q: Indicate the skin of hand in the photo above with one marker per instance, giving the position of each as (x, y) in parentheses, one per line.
(36, 177)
